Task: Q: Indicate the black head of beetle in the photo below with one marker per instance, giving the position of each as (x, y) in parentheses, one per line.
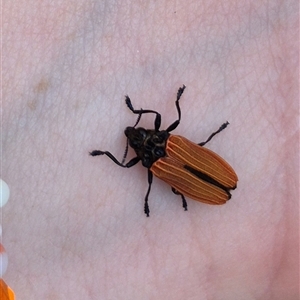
(149, 145)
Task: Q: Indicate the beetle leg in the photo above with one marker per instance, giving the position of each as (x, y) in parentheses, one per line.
(130, 164)
(176, 123)
(157, 121)
(222, 127)
(184, 204)
(146, 207)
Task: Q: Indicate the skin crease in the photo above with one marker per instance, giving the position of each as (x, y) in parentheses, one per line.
(74, 227)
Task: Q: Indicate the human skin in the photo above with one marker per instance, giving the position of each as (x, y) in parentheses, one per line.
(74, 227)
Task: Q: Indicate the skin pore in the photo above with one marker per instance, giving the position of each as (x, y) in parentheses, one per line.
(75, 227)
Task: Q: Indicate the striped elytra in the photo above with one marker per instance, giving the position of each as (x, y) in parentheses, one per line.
(195, 171)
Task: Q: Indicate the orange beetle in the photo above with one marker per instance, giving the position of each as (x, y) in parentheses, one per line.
(190, 169)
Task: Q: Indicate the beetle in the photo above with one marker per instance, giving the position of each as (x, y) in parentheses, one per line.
(190, 169)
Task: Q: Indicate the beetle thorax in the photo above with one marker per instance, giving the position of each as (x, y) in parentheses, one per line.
(149, 145)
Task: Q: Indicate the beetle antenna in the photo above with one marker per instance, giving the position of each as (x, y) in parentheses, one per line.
(126, 148)
(139, 118)
(125, 153)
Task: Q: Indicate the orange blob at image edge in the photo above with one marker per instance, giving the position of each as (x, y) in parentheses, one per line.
(6, 292)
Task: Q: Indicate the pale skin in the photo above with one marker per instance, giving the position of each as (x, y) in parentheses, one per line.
(74, 227)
